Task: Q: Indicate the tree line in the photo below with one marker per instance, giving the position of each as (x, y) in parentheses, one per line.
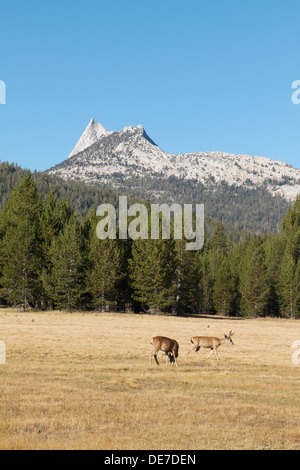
(51, 259)
(244, 207)
(81, 196)
(241, 209)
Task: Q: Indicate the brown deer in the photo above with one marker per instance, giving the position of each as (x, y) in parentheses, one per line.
(168, 346)
(208, 342)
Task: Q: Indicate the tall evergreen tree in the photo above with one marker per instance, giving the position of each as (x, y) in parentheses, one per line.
(274, 250)
(105, 272)
(64, 283)
(286, 286)
(224, 290)
(297, 291)
(219, 243)
(187, 279)
(207, 281)
(218, 248)
(20, 246)
(55, 216)
(197, 288)
(153, 273)
(287, 223)
(254, 287)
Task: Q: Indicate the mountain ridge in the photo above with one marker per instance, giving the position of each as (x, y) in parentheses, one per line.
(249, 192)
(110, 153)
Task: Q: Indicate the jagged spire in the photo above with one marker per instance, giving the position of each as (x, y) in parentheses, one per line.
(93, 132)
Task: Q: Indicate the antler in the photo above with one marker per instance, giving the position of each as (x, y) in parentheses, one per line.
(231, 333)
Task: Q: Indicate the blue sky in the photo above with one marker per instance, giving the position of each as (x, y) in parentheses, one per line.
(199, 75)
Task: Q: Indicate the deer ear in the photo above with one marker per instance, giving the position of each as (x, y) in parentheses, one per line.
(225, 336)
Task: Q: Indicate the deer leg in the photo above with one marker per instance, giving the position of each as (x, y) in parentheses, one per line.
(167, 359)
(174, 359)
(170, 358)
(150, 359)
(190, 350)
(211, 351)
(153, 353)
(198, 352)
(216, 353)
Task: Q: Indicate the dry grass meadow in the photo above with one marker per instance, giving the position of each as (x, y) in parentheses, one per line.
(82, 381)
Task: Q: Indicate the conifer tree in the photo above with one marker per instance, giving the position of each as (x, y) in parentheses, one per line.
(20, 245)
(296, 213)
(55, 215)
(237, 259)
(286, 285)
(124, 290)
(187, 279)
(218, 248)
(64, 283)
(105, 272)
(296, 307)
(224, 295)
(219, 243)
(207, 280)
(287, 223)
(274, 250)
(153, 273)
(254, 287)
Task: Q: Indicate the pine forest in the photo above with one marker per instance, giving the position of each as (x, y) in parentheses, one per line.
(51, 258)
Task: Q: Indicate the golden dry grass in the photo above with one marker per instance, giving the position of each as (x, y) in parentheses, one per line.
(82, 381)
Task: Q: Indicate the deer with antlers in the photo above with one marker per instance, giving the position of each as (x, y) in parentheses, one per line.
(208, 342)
(168, 346)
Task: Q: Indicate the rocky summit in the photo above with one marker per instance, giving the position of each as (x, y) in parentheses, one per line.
(107, 157)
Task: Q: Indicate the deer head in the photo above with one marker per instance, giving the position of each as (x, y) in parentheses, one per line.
(228, 338)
